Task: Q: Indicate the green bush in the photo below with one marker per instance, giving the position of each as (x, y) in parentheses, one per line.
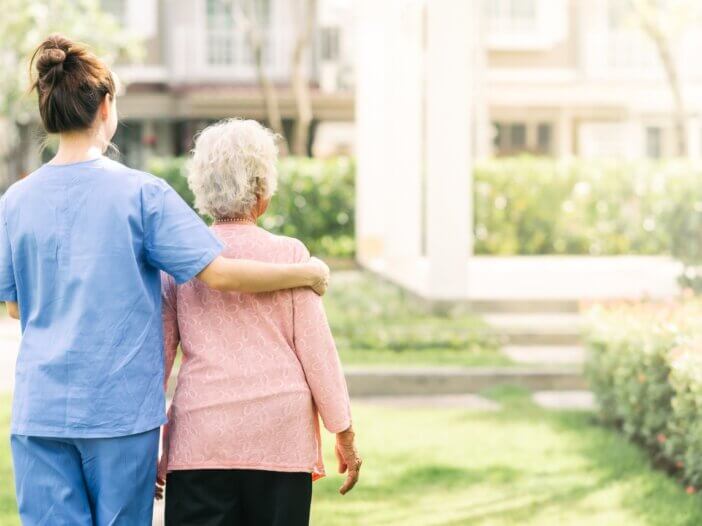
(533, 206)
(522, 205)
(314, 201)
(645, 368)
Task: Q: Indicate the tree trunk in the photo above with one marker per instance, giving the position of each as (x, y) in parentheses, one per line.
(300, 81)
(650, 25)
(270, 95)
(270, 98)
(680, 116)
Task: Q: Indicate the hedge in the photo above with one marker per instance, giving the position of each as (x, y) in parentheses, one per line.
(314, 201)
(645, 367)
(522, 205)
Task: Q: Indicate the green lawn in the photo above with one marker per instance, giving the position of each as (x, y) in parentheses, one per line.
(375, 323)
(8, 508)
(518, 466)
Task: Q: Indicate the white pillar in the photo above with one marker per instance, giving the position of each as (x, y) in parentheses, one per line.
(449, 80)
(404, 155)
(371, 99)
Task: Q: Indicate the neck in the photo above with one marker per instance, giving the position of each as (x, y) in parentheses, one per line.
(238, 219)
(77, 147)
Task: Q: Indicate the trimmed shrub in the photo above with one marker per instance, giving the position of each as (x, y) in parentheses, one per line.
(645, 368)
(522, 205)
(532, 206)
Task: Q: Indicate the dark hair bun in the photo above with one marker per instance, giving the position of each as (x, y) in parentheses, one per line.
(54, 56)
(50, 63)
(71, 83)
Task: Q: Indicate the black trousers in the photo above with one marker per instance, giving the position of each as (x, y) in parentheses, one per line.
(237, 497)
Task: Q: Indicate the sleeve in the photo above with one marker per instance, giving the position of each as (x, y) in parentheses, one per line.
(176, 240)
(316, 350)
(8, 288)
(171, 339)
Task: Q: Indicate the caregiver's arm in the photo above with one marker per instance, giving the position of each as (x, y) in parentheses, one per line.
(241, 275)
(12, 309)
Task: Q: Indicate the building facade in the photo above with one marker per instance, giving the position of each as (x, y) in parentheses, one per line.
(580, 77)
(198, 67)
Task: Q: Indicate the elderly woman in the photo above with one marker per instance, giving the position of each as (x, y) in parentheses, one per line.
(242, 445)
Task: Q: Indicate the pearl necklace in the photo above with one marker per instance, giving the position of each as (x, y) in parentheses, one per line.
(241, 220)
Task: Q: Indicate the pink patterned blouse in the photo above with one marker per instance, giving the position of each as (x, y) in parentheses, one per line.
(256, 369)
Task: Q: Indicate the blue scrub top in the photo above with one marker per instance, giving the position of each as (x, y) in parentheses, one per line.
(81, 247)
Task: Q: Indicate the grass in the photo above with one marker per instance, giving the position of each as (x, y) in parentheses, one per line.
(376, 323)
(8, 507)
(520, 466)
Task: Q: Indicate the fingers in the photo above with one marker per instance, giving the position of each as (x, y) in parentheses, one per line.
(340, 458)
(160, 483)
(322, 283)
(320, 287)
(351, 478)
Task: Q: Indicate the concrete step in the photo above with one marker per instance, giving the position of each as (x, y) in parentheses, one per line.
(468, 401)
(450, 380)
(560, 400)
(524, 306)
(545, 354)
(561, 329)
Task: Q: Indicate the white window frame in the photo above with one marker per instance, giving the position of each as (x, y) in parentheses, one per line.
(548, 28)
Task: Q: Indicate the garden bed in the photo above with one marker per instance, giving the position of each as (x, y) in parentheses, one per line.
(645, 368)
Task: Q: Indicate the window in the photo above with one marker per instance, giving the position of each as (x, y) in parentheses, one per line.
(512, 16)
(544, 134)
(330, 43)
(227, 42)
(517, 136)
(512, 138)
(220, 32)
(654, 142)
(116, 8)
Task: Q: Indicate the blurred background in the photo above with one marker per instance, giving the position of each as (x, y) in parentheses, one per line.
(509, 193)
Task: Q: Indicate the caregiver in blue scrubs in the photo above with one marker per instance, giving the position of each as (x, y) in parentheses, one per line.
(82, 242)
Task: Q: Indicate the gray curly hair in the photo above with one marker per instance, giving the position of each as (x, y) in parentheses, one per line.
(233, 164)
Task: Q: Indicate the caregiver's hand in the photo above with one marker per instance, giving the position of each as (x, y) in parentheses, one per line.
(160, 484)
(322, 279)
(349, 460)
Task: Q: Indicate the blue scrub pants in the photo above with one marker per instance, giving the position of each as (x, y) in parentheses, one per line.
(85, 481)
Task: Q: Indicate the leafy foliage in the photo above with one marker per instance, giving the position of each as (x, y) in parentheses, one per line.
(374, 321)
(645, 367)
(542, 206)
(522, 205)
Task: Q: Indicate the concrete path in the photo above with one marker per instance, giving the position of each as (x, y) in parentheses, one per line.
(564, 400)
(545, 354)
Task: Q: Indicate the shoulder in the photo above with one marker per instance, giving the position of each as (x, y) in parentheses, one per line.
(295, 248)
(138, 178)
(298, 249)
(18, 188)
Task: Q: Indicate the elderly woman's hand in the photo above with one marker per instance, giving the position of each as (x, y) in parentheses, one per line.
(349, 460)
(160, 485)
(321, 281)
